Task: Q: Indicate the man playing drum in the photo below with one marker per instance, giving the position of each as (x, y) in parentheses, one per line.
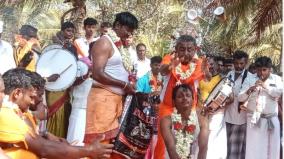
(235, 119)
(111, 67)
(58, 122)
(217, 140)
(183, 67)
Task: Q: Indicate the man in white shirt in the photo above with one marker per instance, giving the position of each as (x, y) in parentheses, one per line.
(142, 63)
(77, 119)
(82, 44)
(262, 93)
(234, 118)
(7, 60)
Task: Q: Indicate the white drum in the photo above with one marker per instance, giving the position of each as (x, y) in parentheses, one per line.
(50, 47)
(82, 68)
(58, 61)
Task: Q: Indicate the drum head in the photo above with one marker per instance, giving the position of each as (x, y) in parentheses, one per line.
(82, 68)
(58, 61)
(50, 47)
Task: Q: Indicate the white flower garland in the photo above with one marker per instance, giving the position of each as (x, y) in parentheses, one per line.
(184, 139)
(124, 52)
(187, 73)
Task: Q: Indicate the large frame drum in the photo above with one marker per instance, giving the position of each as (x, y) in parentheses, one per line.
(58, 61)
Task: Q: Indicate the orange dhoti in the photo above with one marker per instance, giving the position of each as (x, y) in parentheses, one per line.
(103, 110)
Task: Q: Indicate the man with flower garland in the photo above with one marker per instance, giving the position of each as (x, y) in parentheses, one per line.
(17, 137)
(152, 81)
(111, 68)
(182, 67)
(262, 92)
(2, 87)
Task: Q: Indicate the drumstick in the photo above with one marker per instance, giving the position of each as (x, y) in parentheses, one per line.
(65, 69)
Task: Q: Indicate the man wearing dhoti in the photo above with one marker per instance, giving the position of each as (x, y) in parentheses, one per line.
(79, 93)
(262, 93)
(217, 127)
(111, 67)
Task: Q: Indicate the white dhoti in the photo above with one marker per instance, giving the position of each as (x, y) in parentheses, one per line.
(217, 141)
(77, 119)
(263, 143)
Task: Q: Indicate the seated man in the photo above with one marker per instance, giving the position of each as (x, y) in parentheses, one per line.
(14, 130)
(2, 155)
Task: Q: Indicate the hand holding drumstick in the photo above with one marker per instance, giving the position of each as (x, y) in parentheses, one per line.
(54, 77)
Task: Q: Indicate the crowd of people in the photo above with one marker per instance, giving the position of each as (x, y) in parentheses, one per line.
(84, 119)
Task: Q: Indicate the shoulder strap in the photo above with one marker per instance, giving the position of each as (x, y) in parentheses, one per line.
(244, 76)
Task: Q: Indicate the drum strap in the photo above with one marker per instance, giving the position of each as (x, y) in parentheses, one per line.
(80, 80)
(58, 104)
(243, 79)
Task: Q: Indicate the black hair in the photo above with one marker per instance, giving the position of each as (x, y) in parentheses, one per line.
(183, 87)
(90, 21)
(185, 38)
(251, 66)
(263, 61)
(220, 58)
(215, 58)
(29, 31)
(228, 61)
(239, 54)
(66, 25)
(37, 81)
(126, 19)
(139, 45)
(106, 24)
(16, 78)
(156, 59)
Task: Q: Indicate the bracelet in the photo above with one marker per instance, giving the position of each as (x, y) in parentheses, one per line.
(125, 85)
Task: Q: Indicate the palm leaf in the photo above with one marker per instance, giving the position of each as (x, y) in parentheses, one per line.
(269, 13)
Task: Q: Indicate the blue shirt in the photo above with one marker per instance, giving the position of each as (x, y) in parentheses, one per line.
(142, 84)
